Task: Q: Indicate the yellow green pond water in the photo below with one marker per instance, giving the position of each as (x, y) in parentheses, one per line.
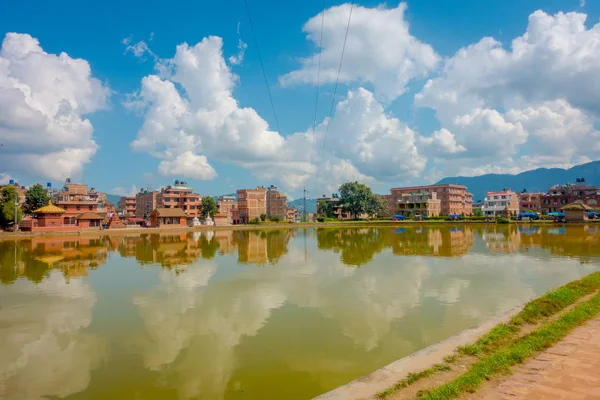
(271, 314)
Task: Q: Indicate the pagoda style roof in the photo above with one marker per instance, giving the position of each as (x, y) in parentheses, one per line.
(50, 209)
(90, 216)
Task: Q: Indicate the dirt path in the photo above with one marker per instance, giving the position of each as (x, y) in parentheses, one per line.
(568, 370)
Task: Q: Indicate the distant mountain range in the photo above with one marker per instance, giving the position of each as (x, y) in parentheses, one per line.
(113, 198)
(298, 204)
(537, 180)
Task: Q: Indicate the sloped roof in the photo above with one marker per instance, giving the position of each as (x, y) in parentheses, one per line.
(50, 209)
(169, 212)
(89, 216)
(578, 206)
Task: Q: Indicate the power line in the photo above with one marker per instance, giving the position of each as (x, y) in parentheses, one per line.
(262, 66)
(338, 77)
(318, 80)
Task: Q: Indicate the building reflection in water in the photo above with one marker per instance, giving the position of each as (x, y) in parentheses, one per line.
(195, 321)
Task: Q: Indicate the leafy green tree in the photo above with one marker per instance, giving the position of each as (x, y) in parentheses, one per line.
(208, 206)
(326, 209)
(478, 212)
(8, 195)
(377, 206)
(355, 197)
(263, 217)
(35, 197)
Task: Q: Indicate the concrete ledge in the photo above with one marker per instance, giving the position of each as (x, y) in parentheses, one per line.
(368, 386)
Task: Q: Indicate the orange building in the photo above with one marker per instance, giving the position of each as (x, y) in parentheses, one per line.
(53, 218)
(227, 205)
(168, 217)
(276, 204)
(145, 203)
(424, 204)
(252, 203)
(76, 199)
(126, 206)
(454, 199)
(530, 201)
(180, 196)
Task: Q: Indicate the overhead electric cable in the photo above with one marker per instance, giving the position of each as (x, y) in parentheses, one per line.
(262, 65)
(338, 77)
(318, 82)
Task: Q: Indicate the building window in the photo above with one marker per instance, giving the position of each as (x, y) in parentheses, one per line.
(78, 208)
(91, 208)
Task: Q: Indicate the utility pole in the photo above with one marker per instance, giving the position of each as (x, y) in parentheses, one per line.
(16, 210)
(304, 207)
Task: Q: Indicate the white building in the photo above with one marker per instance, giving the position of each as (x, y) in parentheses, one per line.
(496, 203)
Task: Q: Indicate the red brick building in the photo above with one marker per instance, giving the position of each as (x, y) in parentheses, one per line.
(145, 203)
(454, 199)
(126, 206)
(276, 204)
(180, 196)
(162, 217)
(252, 203)
(530, 201)
(559, 196)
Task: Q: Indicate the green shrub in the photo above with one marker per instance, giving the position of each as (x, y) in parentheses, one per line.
(320, 219)
(255, 221)
(502, 220)
(275, 218)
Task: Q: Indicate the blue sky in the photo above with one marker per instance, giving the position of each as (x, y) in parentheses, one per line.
(96, 32)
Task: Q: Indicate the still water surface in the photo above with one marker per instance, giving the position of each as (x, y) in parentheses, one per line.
(280, 314)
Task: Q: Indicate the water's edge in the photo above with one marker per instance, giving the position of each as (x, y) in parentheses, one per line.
(366, 387)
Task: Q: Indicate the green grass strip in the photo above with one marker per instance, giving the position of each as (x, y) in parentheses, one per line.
(535, 311)
(504, 334)
(519, 351)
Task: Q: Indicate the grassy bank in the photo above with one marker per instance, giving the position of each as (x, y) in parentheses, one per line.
(505, 345)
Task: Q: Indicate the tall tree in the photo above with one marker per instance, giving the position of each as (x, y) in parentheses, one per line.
(355, 197)
(326, 209)
(35, 197)
(208, 207)
(376, 206)
(8, 195)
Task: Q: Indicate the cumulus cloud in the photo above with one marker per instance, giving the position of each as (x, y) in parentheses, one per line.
(191, 116)
(557, 57)
(121, 191)
(380, 50)
(441, 142)
(43, 98)
(546, 81)
(4, 179)
(188, 164)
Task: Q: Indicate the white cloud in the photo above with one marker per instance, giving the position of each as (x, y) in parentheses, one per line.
(546, 81)
(557, 57)
(4, 179)
(442, 142)
(188, 164)
(186, 127)
(379, 50)
(43, 98)
(121, 191)
(239, 57)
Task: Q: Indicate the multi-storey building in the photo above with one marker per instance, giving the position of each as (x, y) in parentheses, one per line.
(292, 215)
(276, 204)
(559, 196)
(425, 204)
(454, 199)
(530, 201)
(252, 203)
(181, 196)
(126, 206)
(76, 199)
(145, 203)
(505, 202)
(227, 205)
